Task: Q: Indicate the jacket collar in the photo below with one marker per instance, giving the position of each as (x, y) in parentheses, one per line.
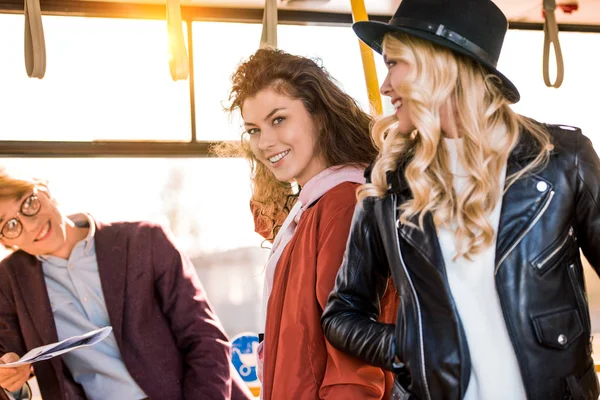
(524, 151)
(30, 278)
(111, 254)
(517, 203)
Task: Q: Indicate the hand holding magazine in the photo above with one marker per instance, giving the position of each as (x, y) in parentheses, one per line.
(64, 346)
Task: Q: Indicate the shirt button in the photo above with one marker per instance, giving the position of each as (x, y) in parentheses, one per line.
(85, 299)
(541, 186)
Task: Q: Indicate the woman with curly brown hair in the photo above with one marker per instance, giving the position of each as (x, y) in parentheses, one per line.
(300, 127)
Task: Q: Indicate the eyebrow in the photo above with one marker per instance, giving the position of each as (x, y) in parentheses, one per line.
(269, 115)
(20, 200)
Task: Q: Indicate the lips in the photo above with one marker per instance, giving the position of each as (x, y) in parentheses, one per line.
(279, 156)
(43, 233)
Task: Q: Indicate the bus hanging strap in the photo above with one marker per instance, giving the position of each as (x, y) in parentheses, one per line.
(551, 37)
(269, 25)
(178, 58)
(35, 44)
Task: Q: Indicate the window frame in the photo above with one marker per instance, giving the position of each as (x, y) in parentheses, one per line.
(193, 147)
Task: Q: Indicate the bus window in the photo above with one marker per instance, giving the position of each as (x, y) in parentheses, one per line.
(106, 79)
(204, 202)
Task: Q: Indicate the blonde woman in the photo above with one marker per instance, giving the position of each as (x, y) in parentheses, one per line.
(478, 214)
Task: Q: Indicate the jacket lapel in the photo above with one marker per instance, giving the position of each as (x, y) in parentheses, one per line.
(35, 295)
(522, 205)
(111, 254)
(424, 241)
(33, 287)
(275, 308)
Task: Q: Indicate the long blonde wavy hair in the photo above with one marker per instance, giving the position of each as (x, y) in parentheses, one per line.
(489, 127)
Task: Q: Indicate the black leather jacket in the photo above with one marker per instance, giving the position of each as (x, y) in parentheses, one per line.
(538, 273)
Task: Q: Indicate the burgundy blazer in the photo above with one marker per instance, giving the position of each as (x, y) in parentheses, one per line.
(171, 341)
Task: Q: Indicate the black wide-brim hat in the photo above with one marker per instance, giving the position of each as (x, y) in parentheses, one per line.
(474, 28)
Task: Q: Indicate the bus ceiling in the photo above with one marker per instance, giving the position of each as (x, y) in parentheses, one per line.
(551, 16)
(571, 15)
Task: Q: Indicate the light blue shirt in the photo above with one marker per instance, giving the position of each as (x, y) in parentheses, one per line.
(78, 306)
(22, 394)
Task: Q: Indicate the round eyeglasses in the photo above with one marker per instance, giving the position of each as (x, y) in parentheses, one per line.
(13, 228)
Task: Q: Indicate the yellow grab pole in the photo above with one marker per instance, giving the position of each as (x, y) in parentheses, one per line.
(359, 13)
(178, 56)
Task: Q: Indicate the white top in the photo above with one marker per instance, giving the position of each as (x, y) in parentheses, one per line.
(495, 372)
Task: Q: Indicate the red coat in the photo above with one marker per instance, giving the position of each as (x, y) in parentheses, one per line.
(299, 363)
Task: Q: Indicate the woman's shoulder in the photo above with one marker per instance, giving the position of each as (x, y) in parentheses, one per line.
(569, 145)
(340, 196)
(564, 137)
(565, 141)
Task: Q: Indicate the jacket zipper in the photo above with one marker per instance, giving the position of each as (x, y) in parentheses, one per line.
(540, 264)
(506, 326)
(414, 292)
(537, 217)
(510, 336)
(579, 295)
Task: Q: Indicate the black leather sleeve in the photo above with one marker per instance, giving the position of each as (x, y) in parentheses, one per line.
(350, 317)
(587, 194)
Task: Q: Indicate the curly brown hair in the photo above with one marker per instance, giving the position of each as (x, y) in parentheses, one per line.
(343, 134)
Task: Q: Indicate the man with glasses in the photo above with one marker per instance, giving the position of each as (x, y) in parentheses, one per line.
(70, 275)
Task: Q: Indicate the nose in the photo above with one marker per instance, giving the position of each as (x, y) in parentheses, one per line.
(386, 87)
(30, 224)
(266, 139)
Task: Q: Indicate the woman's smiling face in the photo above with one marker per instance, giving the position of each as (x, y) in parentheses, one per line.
(282, 136)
